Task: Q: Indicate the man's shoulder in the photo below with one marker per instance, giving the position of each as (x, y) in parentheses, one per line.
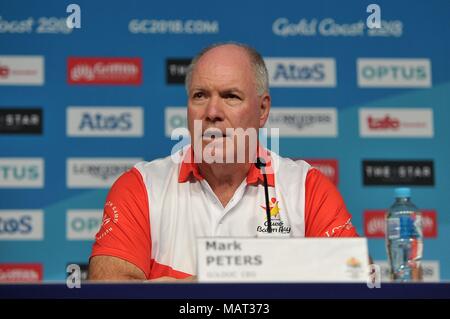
(157, 169)
(286, 165)
(290, 173)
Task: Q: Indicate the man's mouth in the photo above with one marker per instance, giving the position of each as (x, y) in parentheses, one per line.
(211, 134)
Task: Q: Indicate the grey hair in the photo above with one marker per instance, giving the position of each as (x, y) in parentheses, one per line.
(256, 60)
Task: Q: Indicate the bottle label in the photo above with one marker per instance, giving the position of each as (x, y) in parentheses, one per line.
(393, 228)
(418, 226)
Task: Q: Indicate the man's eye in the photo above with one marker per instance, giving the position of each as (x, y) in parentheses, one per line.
(232, 96)
(198, 95)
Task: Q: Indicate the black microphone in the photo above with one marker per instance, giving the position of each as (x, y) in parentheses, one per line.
(260, 164)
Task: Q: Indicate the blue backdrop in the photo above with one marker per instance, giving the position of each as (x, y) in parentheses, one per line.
(107, 30)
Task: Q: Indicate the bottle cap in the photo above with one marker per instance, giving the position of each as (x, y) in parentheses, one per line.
(403, 192)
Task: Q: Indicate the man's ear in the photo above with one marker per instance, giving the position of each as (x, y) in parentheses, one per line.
(264, 109)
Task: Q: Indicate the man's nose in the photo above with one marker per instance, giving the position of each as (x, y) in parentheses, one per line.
(214, 110)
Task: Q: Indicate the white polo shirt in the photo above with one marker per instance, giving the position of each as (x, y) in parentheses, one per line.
(154, 212)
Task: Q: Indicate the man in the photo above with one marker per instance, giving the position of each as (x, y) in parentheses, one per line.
(155, 212)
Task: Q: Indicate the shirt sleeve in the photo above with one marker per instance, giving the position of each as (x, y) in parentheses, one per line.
(125, 229)
(325, 211)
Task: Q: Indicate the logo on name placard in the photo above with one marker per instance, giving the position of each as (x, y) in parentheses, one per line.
(354, 268)
(301, 72)
(89, 121)
(396, 73)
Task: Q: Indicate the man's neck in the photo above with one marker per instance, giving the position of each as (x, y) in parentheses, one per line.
(224, 179)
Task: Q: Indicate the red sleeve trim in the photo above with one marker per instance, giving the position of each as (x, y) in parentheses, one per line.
(160, 270)
(125, 231)
(325, 211)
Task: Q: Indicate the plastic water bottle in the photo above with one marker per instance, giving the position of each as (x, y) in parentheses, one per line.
(404, 238)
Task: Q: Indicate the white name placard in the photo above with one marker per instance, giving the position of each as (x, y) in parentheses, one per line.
(282, 260)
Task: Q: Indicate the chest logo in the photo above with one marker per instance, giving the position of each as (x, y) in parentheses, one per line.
(277, 224)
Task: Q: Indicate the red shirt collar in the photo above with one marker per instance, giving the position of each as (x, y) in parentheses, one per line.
(254, 176)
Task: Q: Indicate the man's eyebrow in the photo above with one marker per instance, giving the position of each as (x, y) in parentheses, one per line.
(232, 90)
(197, 88)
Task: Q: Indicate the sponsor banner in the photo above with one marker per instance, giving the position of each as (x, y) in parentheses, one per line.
(21, 70)
(20, 273)
(291, 122)
(21, 225)
(176, 70)
(104, 70)
(396, 73)
(21, 120)
(375, 225)
(329, 27)
(174, 26)
(96, 172)
(396, 122)
(301, 72)
(303, 122)
(36, 25)
(83, 224)
(398, 172)
(175, 117)
(430, 270)
(22, 172)
(328, 167)
(91, 121)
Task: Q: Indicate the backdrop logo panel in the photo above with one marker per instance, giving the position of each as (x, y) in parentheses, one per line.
(176, 70)
(21, 121)
(301, 72)
(330, 27)
(21, 172)
(375, 224)
(174, 26)
(96, 172)
(304, 122)
(20, 272)
(21, 225)
(104, 70)
(83, 224)
(92, 121)
(396, 122)
(396, 73)
(398, 172)
(328, 167)
(174, 117)
(21, 70)
(430, 270)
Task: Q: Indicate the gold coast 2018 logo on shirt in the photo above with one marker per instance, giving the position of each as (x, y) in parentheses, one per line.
(276, 222)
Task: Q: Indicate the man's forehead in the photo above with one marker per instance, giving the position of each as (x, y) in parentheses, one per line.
(222, 69)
